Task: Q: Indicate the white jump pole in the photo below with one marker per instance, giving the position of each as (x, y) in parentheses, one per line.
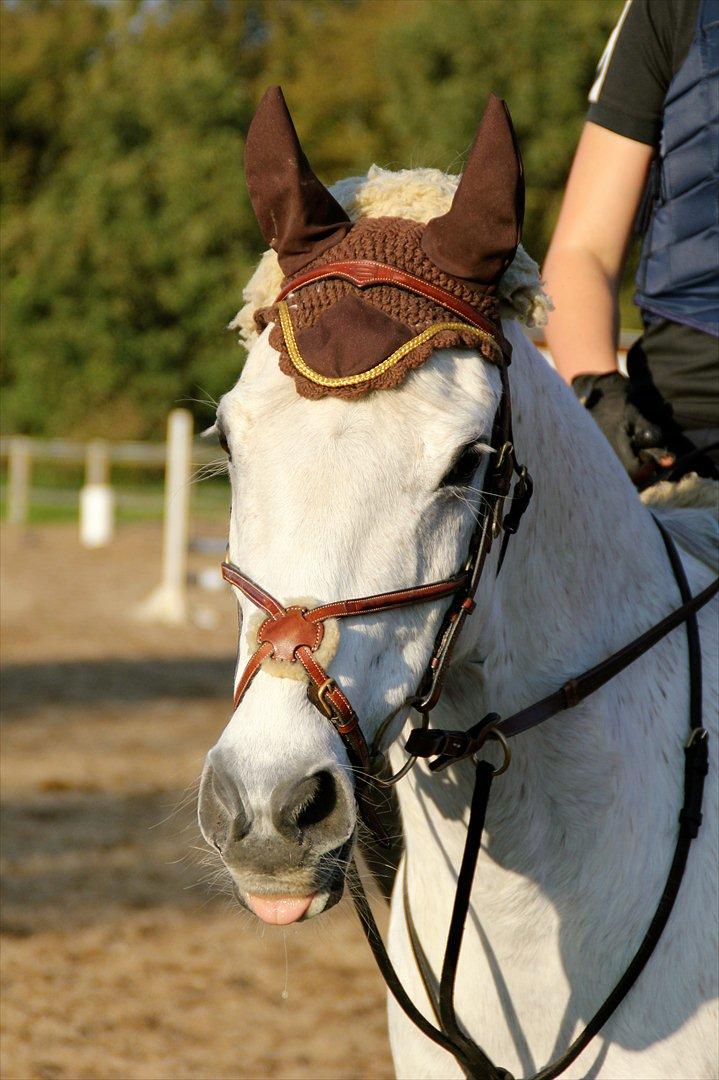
(168, 602)
(97, 500)
(18, 497)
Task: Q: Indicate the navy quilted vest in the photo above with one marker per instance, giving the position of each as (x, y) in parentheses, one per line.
(678, 276)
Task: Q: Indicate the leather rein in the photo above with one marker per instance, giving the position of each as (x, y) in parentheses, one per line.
(294, 634)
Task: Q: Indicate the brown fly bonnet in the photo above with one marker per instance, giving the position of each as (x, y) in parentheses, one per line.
(362, 304)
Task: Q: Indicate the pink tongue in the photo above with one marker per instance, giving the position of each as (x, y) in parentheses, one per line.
(279, 910)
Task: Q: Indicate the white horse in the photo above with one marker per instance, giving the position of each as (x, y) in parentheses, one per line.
(336, 498)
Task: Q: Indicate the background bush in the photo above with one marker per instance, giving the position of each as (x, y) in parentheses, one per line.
(126, 229)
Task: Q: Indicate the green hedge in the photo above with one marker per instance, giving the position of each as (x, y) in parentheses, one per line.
(127, 233)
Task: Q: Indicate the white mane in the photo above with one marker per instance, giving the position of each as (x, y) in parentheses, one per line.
(418, 195)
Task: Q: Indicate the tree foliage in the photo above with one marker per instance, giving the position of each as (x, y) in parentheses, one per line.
(126, 228)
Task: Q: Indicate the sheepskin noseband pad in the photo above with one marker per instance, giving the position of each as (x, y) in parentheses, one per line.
(334, 337)
(287, 633)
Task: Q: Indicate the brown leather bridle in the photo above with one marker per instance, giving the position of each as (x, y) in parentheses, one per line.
(293, 634)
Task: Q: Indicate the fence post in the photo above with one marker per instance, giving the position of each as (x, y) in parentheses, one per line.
(97, 462)
(168, 602)
(97, 500)
(18, 497)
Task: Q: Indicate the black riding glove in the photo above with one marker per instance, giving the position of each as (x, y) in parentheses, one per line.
(639, 444)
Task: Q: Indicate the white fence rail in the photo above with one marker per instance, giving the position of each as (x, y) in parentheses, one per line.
(178, 456)
(98, 456)
(118, 453)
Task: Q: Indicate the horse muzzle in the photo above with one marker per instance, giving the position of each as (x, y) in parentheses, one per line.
(286, 851)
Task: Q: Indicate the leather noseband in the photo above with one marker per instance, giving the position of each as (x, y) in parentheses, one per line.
(294, 634)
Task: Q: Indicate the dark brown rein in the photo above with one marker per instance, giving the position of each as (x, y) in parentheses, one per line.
(293, 634)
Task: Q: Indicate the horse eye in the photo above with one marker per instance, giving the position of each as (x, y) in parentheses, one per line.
(463, 467)
(222, 440)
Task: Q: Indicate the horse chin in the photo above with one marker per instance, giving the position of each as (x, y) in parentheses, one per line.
(326, 898)
(332, 896)
(277, 908)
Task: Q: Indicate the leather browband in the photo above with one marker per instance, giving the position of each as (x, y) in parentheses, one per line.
(363, 272)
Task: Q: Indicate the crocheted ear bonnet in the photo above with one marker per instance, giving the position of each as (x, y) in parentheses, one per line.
(337, 337)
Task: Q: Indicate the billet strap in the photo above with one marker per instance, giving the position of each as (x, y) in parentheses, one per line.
(498, 483)
(364, 272)
(463, 606)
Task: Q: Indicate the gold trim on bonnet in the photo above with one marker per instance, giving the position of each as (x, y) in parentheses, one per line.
(379, 369)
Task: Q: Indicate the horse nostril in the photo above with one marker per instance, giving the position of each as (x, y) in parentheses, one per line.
(222, 814)
(317, 801)
(316, 807)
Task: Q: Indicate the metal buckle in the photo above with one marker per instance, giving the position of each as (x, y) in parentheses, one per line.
(506, 448)
(322, 691)
(496, 734)
(411, 760)
(695, 735)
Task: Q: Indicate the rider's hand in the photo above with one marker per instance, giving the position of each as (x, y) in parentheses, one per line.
(638, 443)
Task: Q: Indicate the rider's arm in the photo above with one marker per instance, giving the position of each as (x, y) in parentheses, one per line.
(586, 257)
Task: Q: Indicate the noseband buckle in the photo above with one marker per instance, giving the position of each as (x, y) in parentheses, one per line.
(321, 694)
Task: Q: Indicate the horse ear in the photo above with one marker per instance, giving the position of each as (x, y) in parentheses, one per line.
(478, 236)
(296, 213)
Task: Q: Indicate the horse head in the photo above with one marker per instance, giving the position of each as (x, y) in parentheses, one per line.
(340, 490)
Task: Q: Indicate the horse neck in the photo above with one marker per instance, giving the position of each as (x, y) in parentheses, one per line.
(587, 558)
(585, 574)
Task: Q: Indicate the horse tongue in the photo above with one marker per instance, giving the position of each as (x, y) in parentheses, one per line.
(279, 910)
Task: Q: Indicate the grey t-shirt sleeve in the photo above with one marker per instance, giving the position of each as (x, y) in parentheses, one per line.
(646, 48)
